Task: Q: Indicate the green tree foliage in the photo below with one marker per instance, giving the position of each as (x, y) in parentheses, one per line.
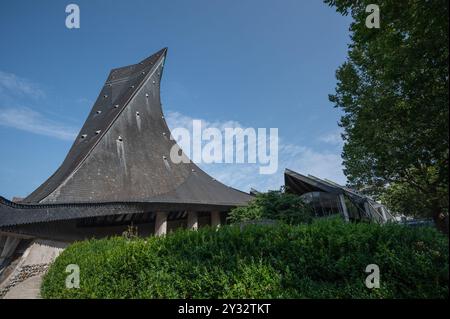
(325, 259)
(393, 90)
(275, 205)
(406, 199)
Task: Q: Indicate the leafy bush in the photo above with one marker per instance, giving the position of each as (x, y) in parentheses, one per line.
(326, 259)
(276, 205)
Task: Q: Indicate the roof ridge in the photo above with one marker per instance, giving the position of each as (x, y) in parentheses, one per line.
(80, 159)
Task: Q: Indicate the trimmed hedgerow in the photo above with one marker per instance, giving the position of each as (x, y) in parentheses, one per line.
(325, 259)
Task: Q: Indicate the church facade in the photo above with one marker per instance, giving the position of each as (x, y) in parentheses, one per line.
(118, 172)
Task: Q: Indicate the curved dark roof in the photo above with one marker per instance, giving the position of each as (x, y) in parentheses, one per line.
(300, 184)
(120, 87)
(122, 155)
(12, 214)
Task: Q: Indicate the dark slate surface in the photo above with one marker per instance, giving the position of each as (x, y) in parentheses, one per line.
(129, 158)
(121, 85)
(300, 184)
(121, 158)
(12, 214)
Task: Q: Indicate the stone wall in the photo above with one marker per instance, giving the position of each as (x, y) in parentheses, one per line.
(35, 261)
(23, 274)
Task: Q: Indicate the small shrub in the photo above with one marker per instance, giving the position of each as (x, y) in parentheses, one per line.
(276, 205)
(131, 232)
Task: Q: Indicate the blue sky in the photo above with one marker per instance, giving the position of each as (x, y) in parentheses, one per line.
(258, 63)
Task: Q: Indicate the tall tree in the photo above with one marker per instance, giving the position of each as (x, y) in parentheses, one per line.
(393, 90)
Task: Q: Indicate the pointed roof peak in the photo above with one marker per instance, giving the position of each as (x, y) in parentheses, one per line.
(154, 57)
(117, 154)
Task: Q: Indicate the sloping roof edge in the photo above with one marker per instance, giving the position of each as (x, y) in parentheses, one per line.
(78, 161)
(12, 214)
(310, 182)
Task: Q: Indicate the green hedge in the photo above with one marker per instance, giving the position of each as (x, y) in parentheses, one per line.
(325, 259)
(274, 205)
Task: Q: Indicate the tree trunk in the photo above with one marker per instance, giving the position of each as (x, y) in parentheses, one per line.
(441, 222)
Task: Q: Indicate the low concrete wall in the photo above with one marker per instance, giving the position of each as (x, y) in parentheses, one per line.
(34, 262)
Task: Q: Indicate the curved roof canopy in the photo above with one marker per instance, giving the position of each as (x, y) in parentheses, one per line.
(299, 184)
(122, 155)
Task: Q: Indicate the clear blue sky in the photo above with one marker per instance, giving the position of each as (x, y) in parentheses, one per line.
(258, 62)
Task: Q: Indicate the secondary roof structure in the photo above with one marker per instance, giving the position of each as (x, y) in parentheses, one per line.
(351, 203)
(120, 161)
